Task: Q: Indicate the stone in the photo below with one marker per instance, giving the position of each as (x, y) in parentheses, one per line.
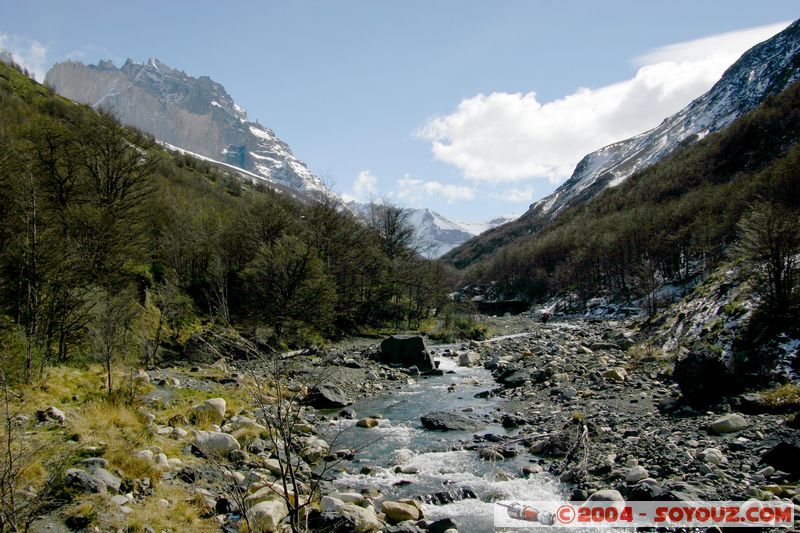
(490, 454)
(367, 422)
(728, 424)
(514, 379)
(327, 396)
(398, 512)
(211, 410)
(215, 443)
(783, 456)
(703, 378)
(112, 482)
(406, 350)
(713, 456)
(312, 449)
(448, 421)
(82, 481)
(52, 414)
(469, 358)
(364, 520)
(607, 495)
(347, 413)
(441, 526)
(617, 374)
(568, 392)
(266, 516)
(330, 522)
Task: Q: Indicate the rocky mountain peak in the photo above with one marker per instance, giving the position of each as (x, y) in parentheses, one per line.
(195, 114)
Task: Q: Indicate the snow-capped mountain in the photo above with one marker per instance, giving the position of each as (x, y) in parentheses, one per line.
(764, 70)
(436, 235)
(195, 114)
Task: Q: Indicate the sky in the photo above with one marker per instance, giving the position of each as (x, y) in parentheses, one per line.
(474, 109)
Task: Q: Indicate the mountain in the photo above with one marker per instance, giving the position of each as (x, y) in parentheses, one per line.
(441, 235)
(435, 234)
(195, 114)
(763, 71)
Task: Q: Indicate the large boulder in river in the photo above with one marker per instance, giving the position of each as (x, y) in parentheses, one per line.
(407, 351)
(327, 396)
(703, 378)
(448, 421)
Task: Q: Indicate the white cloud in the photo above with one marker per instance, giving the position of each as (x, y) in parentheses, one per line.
(415, 191)
(27, 53)
(364, 189)
(515, 194)
(504, 137)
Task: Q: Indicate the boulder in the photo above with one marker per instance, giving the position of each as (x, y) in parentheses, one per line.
(728, 424)
(211, 410)
(330, 522)
(312, 449)
(469, 358)
(617, 374)
(441, 525)
(364, 520)
(367, 422)
(327, 396)
(636, 474)
(406, 350)
(215, 443)
(607, 495)
(398, 512)
(713, 456)
(514, 378)
(82, 481)
(448, 421)
(784, 456)
(265, 516)
(703, 378)
(53, 414)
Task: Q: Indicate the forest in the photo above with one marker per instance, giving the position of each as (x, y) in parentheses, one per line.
(112, 247)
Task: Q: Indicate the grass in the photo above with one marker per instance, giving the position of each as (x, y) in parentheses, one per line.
(783, 397)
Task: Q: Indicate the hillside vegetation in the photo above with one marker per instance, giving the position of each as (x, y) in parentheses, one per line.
(672, 221)
(111, 246)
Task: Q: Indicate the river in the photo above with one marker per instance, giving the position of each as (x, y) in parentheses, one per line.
(433, 460)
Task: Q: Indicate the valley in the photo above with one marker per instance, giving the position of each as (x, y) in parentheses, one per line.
(198, 334)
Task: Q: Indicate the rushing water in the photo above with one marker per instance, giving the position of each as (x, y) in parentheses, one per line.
(434, 459)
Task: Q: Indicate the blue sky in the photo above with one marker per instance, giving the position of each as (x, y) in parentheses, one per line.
(472, 108)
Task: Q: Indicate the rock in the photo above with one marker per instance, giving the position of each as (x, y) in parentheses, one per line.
(617, 374)
(607, 495)
(490, 454)
(347, 414)
(53, 414)
(469, 358)
(330, 522)
(636, 474)
(312, 449)
(146, 455)
(440, 526)
(784, 456)
(82, 481)
(406, 350)
(112, 482)
(514, 379)
(713, 456)
(398, 512)
(367, 422)
(703, 378)
(215, 443)
(265, 516)
(510, 421)
(211, 410)
(364, 520)
(448, 421)
(728, 424)
(327, 396)
(568, 392)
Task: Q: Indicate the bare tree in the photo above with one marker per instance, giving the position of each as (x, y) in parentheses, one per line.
(111, 327)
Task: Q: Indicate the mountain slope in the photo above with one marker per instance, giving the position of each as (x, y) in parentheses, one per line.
(196, 114)
(764, 70)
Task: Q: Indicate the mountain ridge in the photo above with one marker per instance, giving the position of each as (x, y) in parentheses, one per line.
(762, 71)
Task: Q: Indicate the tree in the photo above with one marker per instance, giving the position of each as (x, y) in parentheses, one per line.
(110, 328)
(769, 244)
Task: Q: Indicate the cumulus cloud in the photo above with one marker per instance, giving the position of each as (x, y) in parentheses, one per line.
(415, 191)
(503, 137)
(30, 54)
(364, 189)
